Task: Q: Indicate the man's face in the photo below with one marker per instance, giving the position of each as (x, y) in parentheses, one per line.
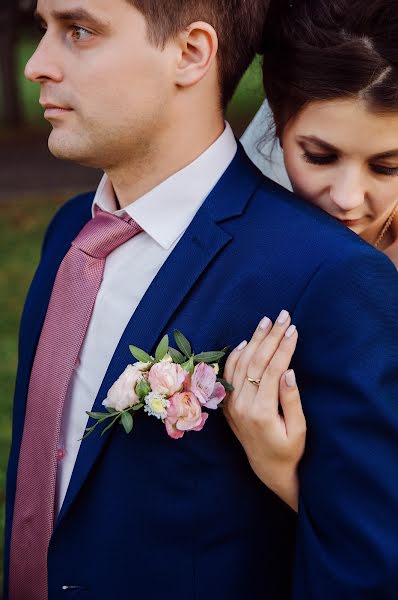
(106, 90)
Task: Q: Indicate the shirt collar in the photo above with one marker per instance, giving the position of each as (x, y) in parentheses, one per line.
(165, 212)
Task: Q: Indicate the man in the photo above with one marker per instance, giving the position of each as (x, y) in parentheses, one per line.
(206, 245)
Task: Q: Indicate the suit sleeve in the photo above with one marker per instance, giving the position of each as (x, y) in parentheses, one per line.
(347, 364)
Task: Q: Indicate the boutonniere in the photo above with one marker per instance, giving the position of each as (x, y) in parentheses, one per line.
(175, 386)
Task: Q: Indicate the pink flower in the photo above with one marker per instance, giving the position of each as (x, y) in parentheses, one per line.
(184, 414)
(122, 394)
(206, 388)
(166, 378)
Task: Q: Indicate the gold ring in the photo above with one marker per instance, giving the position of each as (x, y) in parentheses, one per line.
(255, 382)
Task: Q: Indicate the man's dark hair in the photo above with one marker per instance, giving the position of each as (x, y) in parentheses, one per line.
(239, 25)
(316, 50)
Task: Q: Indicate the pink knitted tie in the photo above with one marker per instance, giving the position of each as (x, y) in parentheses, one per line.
(72, 300)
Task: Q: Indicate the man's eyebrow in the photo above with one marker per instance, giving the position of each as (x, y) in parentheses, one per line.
(74, 15)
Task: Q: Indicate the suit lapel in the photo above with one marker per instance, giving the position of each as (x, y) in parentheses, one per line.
(201, 243)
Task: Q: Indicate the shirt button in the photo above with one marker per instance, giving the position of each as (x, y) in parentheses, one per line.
(60, 454)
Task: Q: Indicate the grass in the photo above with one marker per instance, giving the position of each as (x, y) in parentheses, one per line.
(21, 231)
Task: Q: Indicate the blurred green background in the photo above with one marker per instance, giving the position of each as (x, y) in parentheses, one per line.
(28, 203)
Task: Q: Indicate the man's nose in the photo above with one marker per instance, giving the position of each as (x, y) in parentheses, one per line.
(347, 191)
(43, 66)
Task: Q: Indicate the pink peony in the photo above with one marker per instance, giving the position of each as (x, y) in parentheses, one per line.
(166, 378)
(206, 388)
(184, 414)
(122, 394)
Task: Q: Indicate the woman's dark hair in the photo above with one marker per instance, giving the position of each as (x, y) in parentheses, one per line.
(318, 50)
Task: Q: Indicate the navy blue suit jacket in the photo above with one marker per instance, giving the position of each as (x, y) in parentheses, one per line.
(149, 517)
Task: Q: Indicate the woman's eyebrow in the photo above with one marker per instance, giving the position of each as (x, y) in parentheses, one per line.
(388, 154)
(316, 140)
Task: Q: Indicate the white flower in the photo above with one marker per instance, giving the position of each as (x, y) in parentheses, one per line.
(216, 368)
(122, 394)
(142, 366)
(156, 405)
(167, 358)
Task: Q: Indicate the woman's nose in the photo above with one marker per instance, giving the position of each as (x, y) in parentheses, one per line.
(347, 191)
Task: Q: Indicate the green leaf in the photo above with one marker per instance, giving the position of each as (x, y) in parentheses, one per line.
(182, 343)
(110, 424)
(99, 415)
(209, 357)
(111, 410)
(189, 366)
(138, 406)
(127, 422)
(176, 356)
(162, 349)
(140, 355)
(228, 386)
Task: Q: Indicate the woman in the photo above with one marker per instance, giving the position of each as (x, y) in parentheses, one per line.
(331, 80)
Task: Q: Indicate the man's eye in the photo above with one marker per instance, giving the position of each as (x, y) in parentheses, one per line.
(319, 159)
(80, 34)
(389, 171)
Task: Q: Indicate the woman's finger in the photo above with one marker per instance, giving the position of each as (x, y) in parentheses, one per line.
(232, 361)
(292, 408)
(269, 345)
(249, 351)
(275, 354)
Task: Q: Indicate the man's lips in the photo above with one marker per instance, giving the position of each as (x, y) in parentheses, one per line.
(51, 109)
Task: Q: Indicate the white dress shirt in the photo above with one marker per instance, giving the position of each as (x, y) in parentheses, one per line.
(164, 214)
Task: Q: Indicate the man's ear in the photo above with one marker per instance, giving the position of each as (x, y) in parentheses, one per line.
(198, 47)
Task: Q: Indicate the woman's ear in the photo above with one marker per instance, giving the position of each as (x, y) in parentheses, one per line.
(198, 47)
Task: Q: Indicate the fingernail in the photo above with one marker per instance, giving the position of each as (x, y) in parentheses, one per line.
(283, 317)
(291, 331)
(264, 324)
(242, 345)
(290, 378)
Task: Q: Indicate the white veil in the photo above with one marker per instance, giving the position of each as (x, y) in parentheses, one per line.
(269, 158)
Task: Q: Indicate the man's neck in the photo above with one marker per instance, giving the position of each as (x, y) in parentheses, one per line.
(172, 153)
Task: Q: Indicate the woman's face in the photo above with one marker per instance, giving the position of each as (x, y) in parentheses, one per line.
(344, 159)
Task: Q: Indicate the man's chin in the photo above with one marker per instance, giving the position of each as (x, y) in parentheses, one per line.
(66, 148)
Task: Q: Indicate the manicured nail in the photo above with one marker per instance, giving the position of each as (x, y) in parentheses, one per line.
(283, 317)
(242, 345)
(291, 331)
(290, 378)
(264, 324)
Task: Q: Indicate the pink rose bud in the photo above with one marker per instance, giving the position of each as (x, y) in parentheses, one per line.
(184, 414)
(122, 394)
(166, 378)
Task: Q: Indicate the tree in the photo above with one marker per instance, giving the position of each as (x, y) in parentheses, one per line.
(8, 67)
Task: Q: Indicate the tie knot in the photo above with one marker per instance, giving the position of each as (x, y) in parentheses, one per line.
(104, 233)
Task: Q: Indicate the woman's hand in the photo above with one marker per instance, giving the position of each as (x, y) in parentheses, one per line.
(273, 442)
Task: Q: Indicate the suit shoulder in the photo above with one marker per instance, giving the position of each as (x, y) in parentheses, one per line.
(75, 207)
(306, 225)
(69, 218)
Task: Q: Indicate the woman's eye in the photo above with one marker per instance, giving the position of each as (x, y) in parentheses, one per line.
(80, 34)
(319, 159)
(389, 171)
